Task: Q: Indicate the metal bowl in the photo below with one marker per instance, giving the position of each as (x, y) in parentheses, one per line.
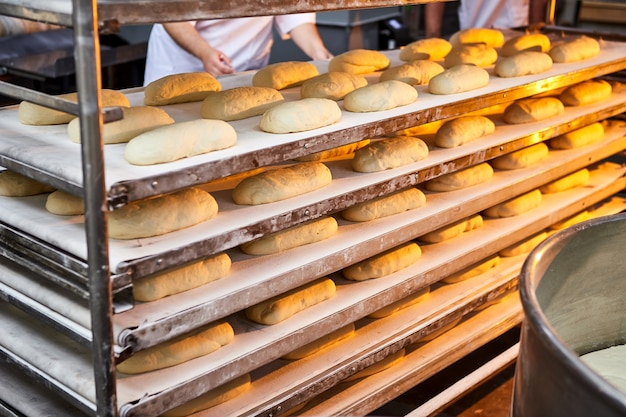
(573, 291)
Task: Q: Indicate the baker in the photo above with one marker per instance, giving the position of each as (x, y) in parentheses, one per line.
(224, 46)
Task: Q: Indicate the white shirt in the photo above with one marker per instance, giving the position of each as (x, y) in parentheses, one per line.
(493, 13)
(247, 41)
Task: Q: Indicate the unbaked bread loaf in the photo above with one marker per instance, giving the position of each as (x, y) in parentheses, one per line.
(281, 75)
(533, 109)
(466, 177)
(338, 152)
(574, 49)
(586, 92)
(522, 158)
(385, 263)
(389, 153)
(184, 348)
(567, 182)
(383, 95)
(136, 121)
(462, 130)
(523, 63)
(181, 278)
(62, 203)
(284, 306)
(387, 205)
(536, 42)
(434, 49)
(472, 271)
(525, 245)
(478, 54)
(180, 140)
(490, 37)
(359, 61)
(332, 85)
(282, 183)
(299, 235)
(386, 363)
(300, 115)
(180, 88)
(322, 343)
(160, 215)
(219, 395)
(417, 72)
(453, 230)
(459, 79)
(13, 184)
(239, 102)
(578, 138)
(36, 115)
(417, 297)
(516, 205)
(571, 220)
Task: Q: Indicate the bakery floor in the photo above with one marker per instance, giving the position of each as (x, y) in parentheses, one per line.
(492, 398)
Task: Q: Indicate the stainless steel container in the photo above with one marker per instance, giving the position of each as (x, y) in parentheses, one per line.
(573, 291)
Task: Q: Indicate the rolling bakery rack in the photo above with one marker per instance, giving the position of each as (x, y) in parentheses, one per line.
(67, 308)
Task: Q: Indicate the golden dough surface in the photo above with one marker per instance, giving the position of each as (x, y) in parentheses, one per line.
(383, 95)
(359, 61)
(239, 102)
(536, 42)
(332, 85)
(389, 153)
(466, 177)
(462, 130)
(567, 182)
(321, 343)
(487, 36)
(387, 205)
(417, 72)
(453, 230)
(522, 158)
(533, 109)
(433, 49)
(13, 184)
(385, 263)
(523, 63)
(578, 138)
(402, 303)
(459, 79)
(524, 246)
(478, 54)
(281, 75)
(574, 49)
(180, 88)
(586, 92)
(62, 203)
(300, 115)
(473, 270)
(281, 183)
(516, 205)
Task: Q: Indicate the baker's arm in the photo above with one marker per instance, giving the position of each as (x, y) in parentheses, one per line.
(307, 37)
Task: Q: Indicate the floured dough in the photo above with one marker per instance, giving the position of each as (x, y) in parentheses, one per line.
(13, 184)
(478, 54)
(434, 49)
(387, 205)
(359, 61)
(283, 306)
(466, 177)
(383, 95)
(164, 214)
(459, 79)
(332, 85)
(180, 88)
(516, 205)
(64, 204)
(523, 63)
(574, 49)
(239, 102)
(384, 263)
(389, 153)
(453, 230)
(300, 115)
(417, 72)
(522, 158)
(462, 130)
(533, 109)
(281, 75)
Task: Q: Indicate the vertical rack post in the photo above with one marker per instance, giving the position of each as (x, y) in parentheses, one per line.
(88, 79)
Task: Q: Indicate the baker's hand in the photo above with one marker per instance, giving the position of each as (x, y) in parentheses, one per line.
(217, 63)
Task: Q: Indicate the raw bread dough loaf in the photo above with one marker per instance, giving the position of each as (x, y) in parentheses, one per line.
(536, 42)
(434, 49)
(180, 88)
(459, 79)
(522, 158)
(64, 204)
(586, 92)
(282, 183)
(182, 278)
(385, 263)
(212, 398)
(387, 205)
(283, 306)
(36, 115)
(516, 205)
(338, 152)
(413, 73)
(389, 153)
(281, 75)
(466, 177)
(159, 215)
(576, 49)
(321, 343)
(13, 184)
(136, 121)
(300, 235)
(332, 85)
(379, 366)
(359, 61)
(524, 246)
(533, 109)
(490, 37)
(462, 130)
(478, 54)
(239, 102)
(580, 137)
(453, 230)
(573, 180)
(300, 115)
(571, 220)
(523, 63)
(383, 95)
(181, 349)
(180, 140)
(473, 270)
(401, 304)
